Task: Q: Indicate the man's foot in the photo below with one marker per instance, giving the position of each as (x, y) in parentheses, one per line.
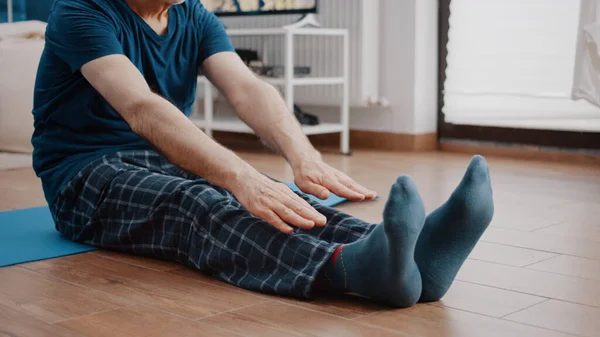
(451, 231)
(382, 266)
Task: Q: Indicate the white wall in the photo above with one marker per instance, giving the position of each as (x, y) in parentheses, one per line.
(426, 69)
(408, 66)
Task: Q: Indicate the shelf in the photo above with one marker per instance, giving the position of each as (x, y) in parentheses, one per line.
(283, 31)
(232, 124)
(305, 80)
(236, 125)
(320, 31)
(298, 81)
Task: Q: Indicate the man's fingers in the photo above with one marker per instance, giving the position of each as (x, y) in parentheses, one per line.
(275, 221)
(314, 189)
(288, 215)
(353, 185)
(305, 210)
(343, 191)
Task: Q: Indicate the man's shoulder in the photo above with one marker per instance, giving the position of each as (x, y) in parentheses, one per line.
(61, 7)
(83, 4)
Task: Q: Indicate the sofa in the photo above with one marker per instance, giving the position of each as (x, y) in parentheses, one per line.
(19, 59)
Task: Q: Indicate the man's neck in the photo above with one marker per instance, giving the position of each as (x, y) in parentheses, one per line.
(150, 9)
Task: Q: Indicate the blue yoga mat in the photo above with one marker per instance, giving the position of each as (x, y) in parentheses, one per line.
(29, 234)
(332, 201)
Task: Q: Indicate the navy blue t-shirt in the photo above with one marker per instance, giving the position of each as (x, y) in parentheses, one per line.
(74, 125)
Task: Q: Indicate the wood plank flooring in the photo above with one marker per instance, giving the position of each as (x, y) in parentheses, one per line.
(536, 271)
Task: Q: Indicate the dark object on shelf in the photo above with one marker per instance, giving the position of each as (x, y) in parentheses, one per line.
(257, 67)
(304, 118)
(279, 71)
(247, 55)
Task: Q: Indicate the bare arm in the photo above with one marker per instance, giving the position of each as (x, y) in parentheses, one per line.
(160, 122)
(260, 106)
(180, 141)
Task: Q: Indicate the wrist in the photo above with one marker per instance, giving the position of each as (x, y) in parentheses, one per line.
(300, 157)
(238, 176)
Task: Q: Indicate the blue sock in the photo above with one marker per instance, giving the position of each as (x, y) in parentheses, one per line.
(381, 266)
(451, 231)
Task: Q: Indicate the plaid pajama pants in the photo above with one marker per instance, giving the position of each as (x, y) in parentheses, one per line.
(137, 202)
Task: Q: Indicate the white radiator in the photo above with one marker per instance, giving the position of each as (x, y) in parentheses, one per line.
(324, 54)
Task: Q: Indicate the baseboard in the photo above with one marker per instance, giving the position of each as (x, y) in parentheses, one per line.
(359, 139)
(374, 140)
(522, 152)
(415, 143)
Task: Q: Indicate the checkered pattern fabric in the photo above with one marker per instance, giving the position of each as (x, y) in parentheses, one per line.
(139, 203)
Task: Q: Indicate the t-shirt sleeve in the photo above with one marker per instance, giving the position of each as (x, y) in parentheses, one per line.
(213, 37)
(79, 33)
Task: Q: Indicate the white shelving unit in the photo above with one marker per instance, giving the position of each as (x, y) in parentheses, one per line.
(288, 82)
(9, 11)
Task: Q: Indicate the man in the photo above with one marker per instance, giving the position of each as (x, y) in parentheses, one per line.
(123, 168)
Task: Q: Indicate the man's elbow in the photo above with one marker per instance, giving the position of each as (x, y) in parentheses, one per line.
(248, 93)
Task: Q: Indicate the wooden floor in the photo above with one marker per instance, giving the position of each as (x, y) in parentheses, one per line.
(536, 271)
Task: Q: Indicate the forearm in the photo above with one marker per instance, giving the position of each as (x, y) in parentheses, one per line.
(262, 108)
(182, 143)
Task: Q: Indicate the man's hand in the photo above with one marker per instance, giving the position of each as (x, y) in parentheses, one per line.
(261, 107)
(315, 177)
(275, 203)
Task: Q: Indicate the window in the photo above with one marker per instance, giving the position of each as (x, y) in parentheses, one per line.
(510, 63)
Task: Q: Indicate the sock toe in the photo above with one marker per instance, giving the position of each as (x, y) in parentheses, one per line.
(475, 191)
(404, 188)
(478, 170)
(404, 210)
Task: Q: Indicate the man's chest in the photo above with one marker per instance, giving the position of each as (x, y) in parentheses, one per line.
(170, 66)
(159, 26)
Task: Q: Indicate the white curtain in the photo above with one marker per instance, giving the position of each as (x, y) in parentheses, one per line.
(511, 63)
(586, 79)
